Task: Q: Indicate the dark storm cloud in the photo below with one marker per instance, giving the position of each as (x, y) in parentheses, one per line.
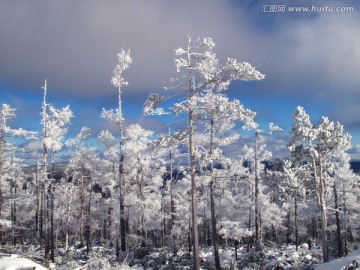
(74, 44)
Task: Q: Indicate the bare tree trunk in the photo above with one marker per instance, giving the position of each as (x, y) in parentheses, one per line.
(1, 183)
(38, 195)
(338, 223)
(256, 196)
(41, 221)
(172, 202)
(296, 222)
(88, 231)
(205, 232)
(68, 220)
(121, 178)
(288, 231)
(324, 240)
(52, 236)
(12, 216)
(194, 213)
(82, 211)
(248, 238)
(1, 172)
(345, 251)
(46, 196)
(212, 199)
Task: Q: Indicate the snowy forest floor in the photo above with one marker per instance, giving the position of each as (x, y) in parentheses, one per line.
(272, 257)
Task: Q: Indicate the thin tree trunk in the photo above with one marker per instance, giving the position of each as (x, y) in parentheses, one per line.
(296, 222)
(1, 183)
(1, 172)
(212, 199)
(236, 245)
(324, 239)
(46, 196)
(41, 221)
(68, 220)
(172, 202)
(52, 236)
(88, 238)
(82, 210)
(338, 223)
(121, 178)
(346, 221)
(205, 232)
(38, 195)
(194, 211)
(12, 216)
(288, 231)
(256, 195)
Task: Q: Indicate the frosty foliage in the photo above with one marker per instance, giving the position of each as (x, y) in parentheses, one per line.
(273, 128)
(56, 122)
(7, 113)
(151, 105)
(202, 68)
(84, 133)
(246, 199)
(5, 223)
(106, 138)
(201, 61)
(217, 106)
(327, 136)
(123, 63)
(112, 116)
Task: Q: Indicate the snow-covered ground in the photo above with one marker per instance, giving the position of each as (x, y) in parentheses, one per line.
(13, 262)
(272, 257)
(351, 261)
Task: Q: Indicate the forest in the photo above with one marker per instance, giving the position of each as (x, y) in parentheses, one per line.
(140, 192)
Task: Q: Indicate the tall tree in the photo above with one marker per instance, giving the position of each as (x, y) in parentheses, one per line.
(123, 62)
(220, 115)
(202, 71)
(6, 133)
(316, 143)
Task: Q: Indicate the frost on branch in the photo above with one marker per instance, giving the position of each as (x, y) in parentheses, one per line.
(111, 115)
(180, 51)
(23, 133)
(181, 62)
(6, 113)
(206, 69)
(273, 128)
(55, 126)
(84, 133)
(233, 70)
(107, 138)
(124, 61)
(208, 43)
(150, 105)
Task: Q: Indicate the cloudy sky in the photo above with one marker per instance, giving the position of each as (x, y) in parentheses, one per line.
(310, 59)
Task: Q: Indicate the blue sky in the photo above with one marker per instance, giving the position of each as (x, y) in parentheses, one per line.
(310, 59)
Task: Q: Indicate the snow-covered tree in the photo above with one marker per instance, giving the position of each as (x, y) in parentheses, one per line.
(79, 169)
(7, 146)
(316, 143)
(201, 71)
(144, 172)
(116, 117)
(219, 115)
